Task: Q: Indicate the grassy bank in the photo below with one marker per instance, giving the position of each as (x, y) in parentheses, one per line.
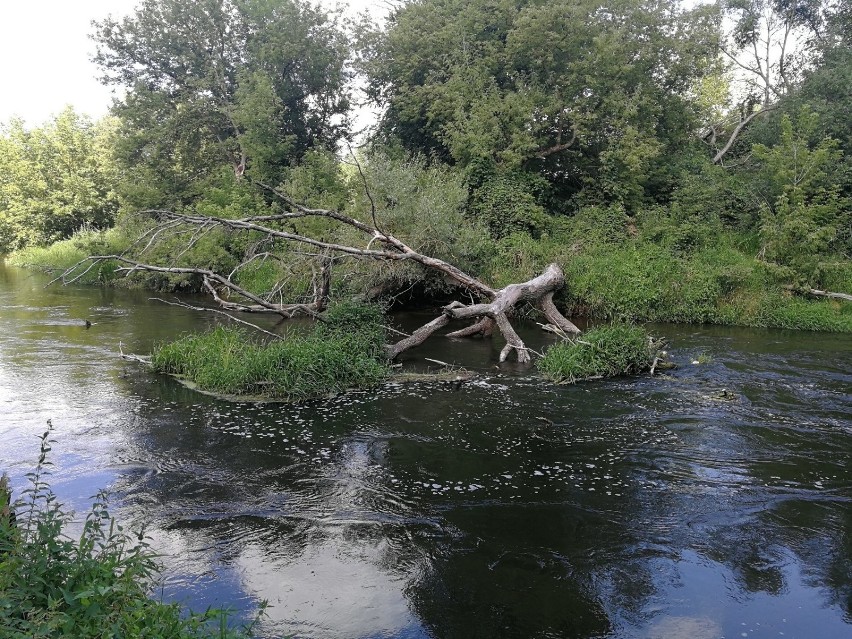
(98, 586)
(639, 279)
(616, 269)
(344, 351)
(64, 254)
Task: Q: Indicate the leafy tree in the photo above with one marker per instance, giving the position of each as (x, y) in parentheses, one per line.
(54, 179)
(586, 95)
(806, 221)
(769, 46)
(827, 87)
(253, 84)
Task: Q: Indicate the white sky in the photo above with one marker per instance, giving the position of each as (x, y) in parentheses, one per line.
(45, 51)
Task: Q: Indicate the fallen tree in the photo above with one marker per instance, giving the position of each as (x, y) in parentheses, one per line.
(487, 310)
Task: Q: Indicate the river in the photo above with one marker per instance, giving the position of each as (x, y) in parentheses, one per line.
(714, 502)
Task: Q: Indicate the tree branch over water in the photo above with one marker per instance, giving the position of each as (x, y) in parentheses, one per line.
(488, 307)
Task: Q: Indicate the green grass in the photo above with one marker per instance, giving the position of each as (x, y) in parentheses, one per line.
(638, 280)
(343, 352)
(656, 270)
(64, 254)
(608, 351)
(97, 586)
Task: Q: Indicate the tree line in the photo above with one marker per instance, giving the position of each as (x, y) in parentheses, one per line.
(513, 133)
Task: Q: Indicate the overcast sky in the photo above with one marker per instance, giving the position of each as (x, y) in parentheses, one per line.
(45, 51)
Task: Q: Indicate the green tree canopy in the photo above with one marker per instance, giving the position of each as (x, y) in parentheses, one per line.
(253, 84)
(55, 179)
(579, 92)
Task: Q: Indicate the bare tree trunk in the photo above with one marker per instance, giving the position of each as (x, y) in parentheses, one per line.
(537, 291)
(818, 293)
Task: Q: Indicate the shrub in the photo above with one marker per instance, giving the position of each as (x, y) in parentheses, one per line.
(620, 349)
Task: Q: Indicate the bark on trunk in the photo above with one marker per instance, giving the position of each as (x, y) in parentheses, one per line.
(537, 291)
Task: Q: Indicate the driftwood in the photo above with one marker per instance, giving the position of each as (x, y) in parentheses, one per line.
(818, 293)
(538, 291)
(489, 308)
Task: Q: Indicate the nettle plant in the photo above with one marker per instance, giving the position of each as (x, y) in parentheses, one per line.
(95, 586)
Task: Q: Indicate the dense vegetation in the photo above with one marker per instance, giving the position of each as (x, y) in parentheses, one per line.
(606, 351)
(341, 352)
(675, 170)
(95, 587)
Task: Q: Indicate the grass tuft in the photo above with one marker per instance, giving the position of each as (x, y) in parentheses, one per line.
(344, 351)
(620, 349)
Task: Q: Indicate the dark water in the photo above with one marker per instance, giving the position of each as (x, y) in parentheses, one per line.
(655, 508)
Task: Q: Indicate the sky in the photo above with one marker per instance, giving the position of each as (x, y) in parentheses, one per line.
(45, 54)
(44, 57)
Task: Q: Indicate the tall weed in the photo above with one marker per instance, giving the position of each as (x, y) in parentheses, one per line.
(98, 586)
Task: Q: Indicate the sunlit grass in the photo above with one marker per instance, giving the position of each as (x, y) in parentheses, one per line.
(343, 352)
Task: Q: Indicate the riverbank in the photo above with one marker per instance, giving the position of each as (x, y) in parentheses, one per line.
(608, 277)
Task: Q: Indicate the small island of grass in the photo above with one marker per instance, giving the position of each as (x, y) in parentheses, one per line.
(343, 351)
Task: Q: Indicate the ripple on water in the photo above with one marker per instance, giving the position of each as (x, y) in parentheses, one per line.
(629, 508)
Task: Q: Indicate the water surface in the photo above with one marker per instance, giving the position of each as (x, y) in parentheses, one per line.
(715, 502)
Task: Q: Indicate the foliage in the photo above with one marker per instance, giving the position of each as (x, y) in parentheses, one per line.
(344, 352)
(516, 134)
(507, 203)
(96, 587)
(608, 351)
(247, 84)
(422, 204)
(716, 284)
(516, 82)
(807, 221)
(54, 179)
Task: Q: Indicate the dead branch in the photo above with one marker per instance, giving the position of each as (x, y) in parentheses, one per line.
(717, 159)
(538, 291)
(218, 312)
(818, 293)
(489, 308)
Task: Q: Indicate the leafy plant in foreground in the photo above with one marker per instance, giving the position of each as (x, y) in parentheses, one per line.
(96, 587)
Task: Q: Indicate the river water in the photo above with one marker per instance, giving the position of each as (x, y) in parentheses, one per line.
(715, 502)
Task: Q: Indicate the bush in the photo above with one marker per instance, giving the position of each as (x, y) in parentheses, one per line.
(507, 203)
(52, 587)
(343, 352)
(620, 349)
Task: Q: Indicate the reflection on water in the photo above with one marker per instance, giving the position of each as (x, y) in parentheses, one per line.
(504, 508)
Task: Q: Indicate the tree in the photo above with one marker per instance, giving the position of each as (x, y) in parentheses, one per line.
(583, 94)
(826, 87)
(806, 223)
(290, 231)
(253, 84)
(54, 179)
(768, 47)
